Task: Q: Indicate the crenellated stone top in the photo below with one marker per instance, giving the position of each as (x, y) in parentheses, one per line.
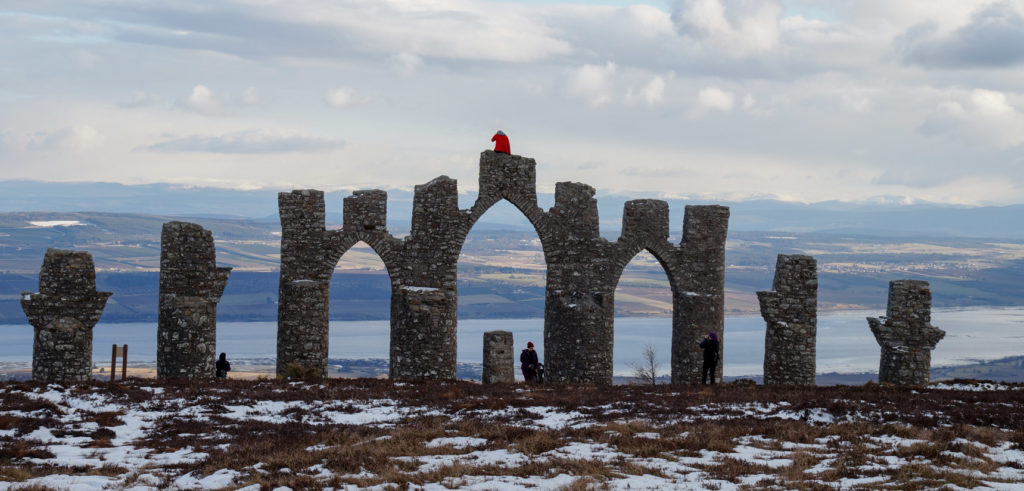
(907, 323)
(67, 289)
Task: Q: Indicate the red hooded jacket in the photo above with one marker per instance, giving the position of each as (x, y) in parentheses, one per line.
(501, 143)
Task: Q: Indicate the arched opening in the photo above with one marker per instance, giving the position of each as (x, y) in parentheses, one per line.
(643, 319)
(501, 286)
(360, 311)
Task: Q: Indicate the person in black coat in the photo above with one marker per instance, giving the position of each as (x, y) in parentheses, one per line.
(223, 367)
(529, 361)
(711, 347)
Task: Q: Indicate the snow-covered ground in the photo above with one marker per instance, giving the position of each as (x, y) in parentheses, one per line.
(373, 434)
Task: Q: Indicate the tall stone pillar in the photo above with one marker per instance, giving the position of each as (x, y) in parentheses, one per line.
(578, 308)
(191, 285)
(698, 299)
(499, 361)
(906, 334)
(63, 314)
(424, 301)
(307, 261)
(791, 312)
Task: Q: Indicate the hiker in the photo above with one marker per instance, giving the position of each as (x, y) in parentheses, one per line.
(710, 346)
(223, 367)
(530, 362)
(501, 142)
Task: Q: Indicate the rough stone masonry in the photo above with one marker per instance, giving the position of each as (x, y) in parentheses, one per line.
(791, 313)
(63, 314)
(906, 334)
(191, 284)
(582, 271)
(499, 362)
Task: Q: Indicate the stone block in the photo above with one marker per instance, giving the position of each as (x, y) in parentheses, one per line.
(499, 359)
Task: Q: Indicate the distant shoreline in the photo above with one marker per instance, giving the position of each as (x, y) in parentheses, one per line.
(1008, 369)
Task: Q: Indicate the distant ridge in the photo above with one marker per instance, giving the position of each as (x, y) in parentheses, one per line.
(873, 217)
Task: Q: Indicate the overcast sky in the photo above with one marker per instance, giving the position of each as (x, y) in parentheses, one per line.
(723, 99)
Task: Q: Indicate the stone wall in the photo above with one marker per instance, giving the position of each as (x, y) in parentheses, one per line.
(63, 314)
(906, 335)
(583, 270)
(191, 284)
(791, 313)
(499, 362)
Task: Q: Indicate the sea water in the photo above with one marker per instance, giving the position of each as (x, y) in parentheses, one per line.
(845, 344)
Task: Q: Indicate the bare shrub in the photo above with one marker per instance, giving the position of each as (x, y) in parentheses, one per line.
(646, 371)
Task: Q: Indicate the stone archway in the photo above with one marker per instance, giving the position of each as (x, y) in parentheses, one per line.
(582, 270)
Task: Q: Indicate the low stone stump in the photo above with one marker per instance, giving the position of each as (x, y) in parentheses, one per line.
(791, 314)
(499, 363)
(63, 314)
(906, 334)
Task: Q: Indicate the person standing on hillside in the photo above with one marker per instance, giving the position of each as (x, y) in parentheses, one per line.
(710, 345)
(501, 142)
(223, 367)
(529, 361)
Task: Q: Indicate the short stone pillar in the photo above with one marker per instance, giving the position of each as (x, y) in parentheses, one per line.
(63, 314)
(791, 314)
(191, 284)
(906, 334)
(499, 363)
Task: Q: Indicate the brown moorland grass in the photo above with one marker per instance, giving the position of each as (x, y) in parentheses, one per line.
(827, 433)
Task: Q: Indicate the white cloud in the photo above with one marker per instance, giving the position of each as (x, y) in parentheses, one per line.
(140, 98)
(75, 138)
(593, 83)
(250, 96)
(202, 100)
(733, 28)
(654, 92)
(249, 142)
(715, 99)
(407, 63)
(341, 97)
(978, 117)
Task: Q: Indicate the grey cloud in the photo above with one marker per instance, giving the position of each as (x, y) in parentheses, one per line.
(248, 142)
(993, 38)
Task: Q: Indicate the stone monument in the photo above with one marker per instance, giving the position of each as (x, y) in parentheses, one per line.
(63, 314)
(191, 284)
(906, 334)
(582, 271)
(791, 313)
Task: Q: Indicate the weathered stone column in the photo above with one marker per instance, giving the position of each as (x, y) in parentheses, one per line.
(424, 301)
(906, 334)
(499, 363)
(698, 299)
(307, 261)
(791, 312)
(191, 284)
(578, 311)
(63, 314)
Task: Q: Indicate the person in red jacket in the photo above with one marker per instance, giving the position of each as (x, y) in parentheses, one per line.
(501, 142)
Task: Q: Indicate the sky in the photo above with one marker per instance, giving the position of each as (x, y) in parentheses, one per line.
(801, 100)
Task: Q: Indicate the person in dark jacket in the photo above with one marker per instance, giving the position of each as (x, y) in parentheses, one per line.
(223, 367)
(529, 361)
(710, 346)
(501, 142)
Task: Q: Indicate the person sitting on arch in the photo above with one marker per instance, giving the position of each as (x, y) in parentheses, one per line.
(501, 142)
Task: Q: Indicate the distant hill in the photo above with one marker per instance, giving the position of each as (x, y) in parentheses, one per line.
(886, 218)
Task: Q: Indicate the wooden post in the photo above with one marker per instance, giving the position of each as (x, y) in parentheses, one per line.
(115, 352)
